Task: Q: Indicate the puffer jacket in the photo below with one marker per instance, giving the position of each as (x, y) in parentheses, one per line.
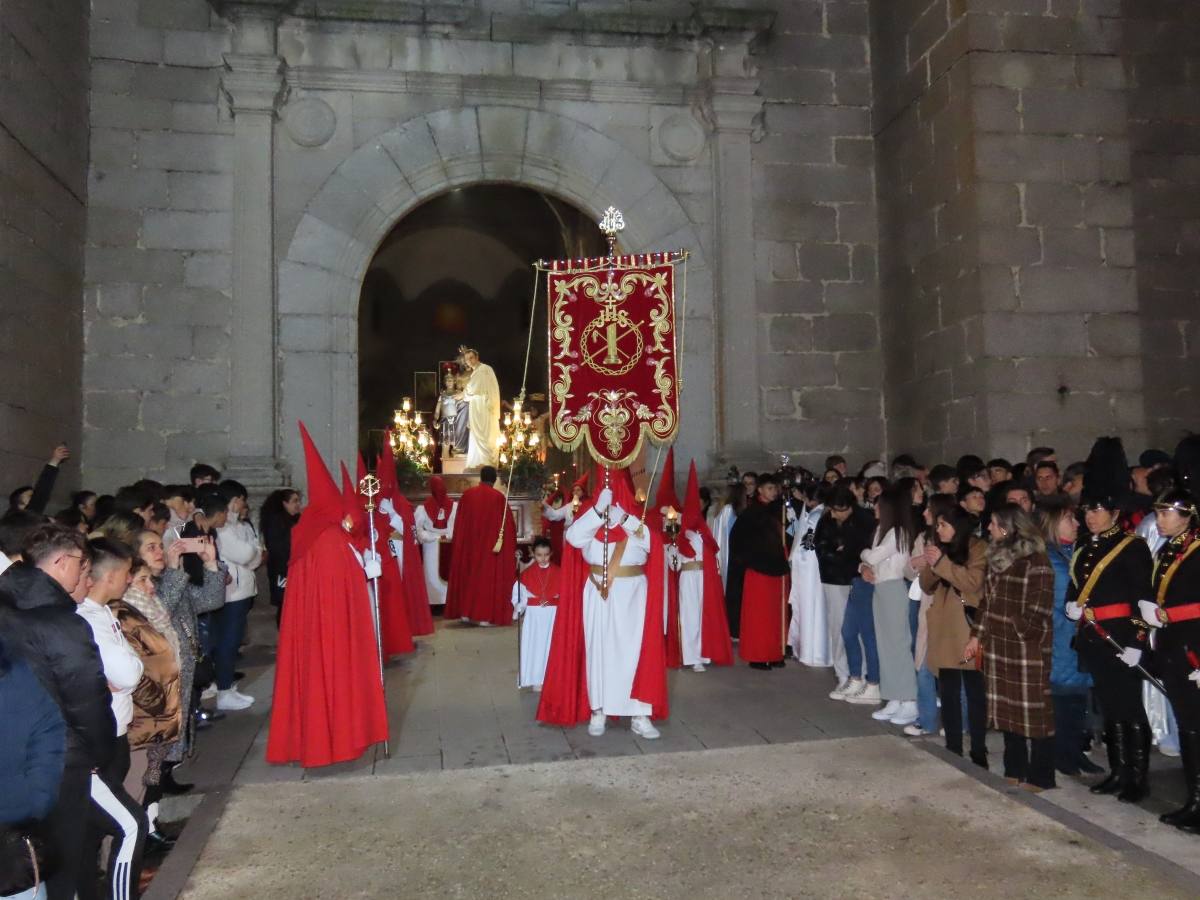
(39, 624)
(1065, 677)
(157, 710)
(32, 743)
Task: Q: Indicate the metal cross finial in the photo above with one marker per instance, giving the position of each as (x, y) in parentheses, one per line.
(611, 226)
(369, 487)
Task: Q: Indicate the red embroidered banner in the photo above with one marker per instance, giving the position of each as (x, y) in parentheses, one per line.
(613, 374)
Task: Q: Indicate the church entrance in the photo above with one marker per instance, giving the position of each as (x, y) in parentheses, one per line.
(456, 271)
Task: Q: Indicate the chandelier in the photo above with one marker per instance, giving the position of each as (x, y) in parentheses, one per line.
(518, 440)
(411, 441)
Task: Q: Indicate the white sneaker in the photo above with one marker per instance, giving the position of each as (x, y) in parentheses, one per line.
(699, 667)
(885, 712)
(209, 692)
(465, 619)
(868, 695)
(485, 624)
(537, 688)
(233, 700)
(844, 687)
(597, 723)
(915, 731)
(640, 725)
(906, 714)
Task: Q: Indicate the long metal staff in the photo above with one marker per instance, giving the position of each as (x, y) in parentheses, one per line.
(1121, 649)
(369, 487)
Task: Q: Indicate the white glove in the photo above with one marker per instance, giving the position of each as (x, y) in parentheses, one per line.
(604, 500)
(1195, 678)
(618, 514)
(372, 565)
(791, 514)
(395, 547)
(396, 522)
(1149, 611)
(1131, 656)
(385, 507)
(1074, 611)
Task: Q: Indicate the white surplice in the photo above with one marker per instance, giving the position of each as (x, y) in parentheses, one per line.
(808, 634)
(429, 534)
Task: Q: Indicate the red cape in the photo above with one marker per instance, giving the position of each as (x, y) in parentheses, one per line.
(420, 619)
(564, 699)
(481, 579)
(393, 600)
(328, 705)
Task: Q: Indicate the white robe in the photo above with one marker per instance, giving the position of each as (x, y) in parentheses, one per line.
(482, 394)
(808, 634)
(564, 514)
(537, 628)
(721, 524)
(612, 628)
(691, 603)
(428, 534)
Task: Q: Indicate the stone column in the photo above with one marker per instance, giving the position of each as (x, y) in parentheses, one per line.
(734, 108)
(254, 84)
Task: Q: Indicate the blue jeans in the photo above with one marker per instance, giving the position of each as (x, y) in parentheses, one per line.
(229, 627)
(859, 625)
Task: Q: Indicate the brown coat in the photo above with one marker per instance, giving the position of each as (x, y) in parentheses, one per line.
(1016, 635)
(952, 588)
(157, 712)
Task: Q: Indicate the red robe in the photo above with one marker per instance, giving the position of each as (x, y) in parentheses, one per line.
(481, 578)
(564, 699)
(393, 597)
(764, 617)
(328, 705)
(542, 586)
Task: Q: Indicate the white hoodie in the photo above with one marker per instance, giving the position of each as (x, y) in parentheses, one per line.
(122, 666)
(238, 545)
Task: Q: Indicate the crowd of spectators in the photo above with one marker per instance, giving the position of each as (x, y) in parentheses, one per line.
(121, 622)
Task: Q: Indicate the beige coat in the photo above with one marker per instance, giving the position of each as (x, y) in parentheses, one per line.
(952, 588)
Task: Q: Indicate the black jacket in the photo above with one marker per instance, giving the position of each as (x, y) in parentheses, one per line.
(839, 546)
(32, 742)
(40, 625)
(756, 540)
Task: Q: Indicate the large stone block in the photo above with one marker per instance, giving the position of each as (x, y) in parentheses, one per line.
(112, 409)
(839, 402)
(825, 262)
(118, 338)
(1072, 247)
(789, 297)
(1035, 334)
(138, 450)
(174, 14)
(129, 43)
(132, 189)
(193, 376)
(1053, 204)
(120, 111)
(1114, 335)
(838, 332)
(198, 49)
(1074, 111)
(209, 270)
(789, 334)
(187, 230)
(1037, 158)
(185, 152)
(186, 306)
(128, 264)
(198, 412)
(194, 191)
(1060, 290)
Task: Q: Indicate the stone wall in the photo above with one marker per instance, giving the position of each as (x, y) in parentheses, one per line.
(1161, 46)
(815, 229)
(1011, 284)
(43, 177)
(157, 298)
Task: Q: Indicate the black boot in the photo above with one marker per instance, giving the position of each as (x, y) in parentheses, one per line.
(1114, 738)
(1189, 749)
(1136, 784)
(980, 758)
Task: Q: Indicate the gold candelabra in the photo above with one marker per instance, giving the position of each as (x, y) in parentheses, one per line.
(518, 440)
(411, 439)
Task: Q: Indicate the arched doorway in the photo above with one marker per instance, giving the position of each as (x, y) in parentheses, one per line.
(457, 271)
(331, 248)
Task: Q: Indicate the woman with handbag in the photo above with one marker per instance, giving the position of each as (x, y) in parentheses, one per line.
(32, 745)
(1014, 629)
(952, 573)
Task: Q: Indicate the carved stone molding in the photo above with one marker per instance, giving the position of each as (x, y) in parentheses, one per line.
(734, 105)
(310, 121)
(253, 84)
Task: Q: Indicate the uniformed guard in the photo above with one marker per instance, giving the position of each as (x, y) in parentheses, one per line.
(1175, 612)
(1110, 572)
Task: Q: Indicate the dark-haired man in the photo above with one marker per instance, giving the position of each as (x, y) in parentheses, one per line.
(1046, 480)
(202, 474)
(1021, 496)
(39, 624)
(944, 480)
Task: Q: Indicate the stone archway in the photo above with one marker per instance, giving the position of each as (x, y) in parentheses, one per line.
(321, 274)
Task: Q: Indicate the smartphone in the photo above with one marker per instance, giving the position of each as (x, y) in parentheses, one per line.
(189, 545)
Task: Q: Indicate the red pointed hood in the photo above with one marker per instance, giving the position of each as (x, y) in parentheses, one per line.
(581, 482)
(693, 518)
(665, 496)
(438, 502)
(324, 509)
(623, 491)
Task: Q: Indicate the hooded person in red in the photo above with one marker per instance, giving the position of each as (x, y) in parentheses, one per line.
(607, 656)
(329, 704)
(406, 549)
(703, 630)
(482, 574)
(666, 499)
(394, 630)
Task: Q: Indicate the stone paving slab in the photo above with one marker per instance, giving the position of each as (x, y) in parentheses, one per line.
(869, 817)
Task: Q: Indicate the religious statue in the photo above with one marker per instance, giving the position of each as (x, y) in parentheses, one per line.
(451, 416)
(482, 395)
